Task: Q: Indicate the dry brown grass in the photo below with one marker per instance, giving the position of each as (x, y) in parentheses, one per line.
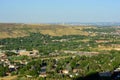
(8, 78)
(20, 30)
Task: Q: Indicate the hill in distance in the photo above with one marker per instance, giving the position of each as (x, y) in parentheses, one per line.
(13, 30)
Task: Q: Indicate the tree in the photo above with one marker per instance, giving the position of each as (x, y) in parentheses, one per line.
(3, 70)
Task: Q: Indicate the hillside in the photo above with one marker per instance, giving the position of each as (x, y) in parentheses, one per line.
(19, 30)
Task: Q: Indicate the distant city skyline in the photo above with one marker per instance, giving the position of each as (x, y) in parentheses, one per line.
(58, 11)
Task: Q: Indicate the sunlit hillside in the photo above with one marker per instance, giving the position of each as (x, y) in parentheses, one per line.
(20, 30)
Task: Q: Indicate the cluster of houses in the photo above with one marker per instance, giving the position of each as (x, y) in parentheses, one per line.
(13, 66)
(61, 40)
(26, 53)
(4, 59)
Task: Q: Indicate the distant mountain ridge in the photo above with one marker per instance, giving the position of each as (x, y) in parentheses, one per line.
(93, 23)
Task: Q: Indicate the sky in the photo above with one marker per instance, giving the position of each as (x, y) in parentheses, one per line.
(53, 11)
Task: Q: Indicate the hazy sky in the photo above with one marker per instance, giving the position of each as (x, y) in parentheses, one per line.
(45, 11)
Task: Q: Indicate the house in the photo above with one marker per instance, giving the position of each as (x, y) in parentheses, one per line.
(14, 51)
(23, 52)
(43, 75)
(28, 53)
(12, 68)
(24, 62)
(43, 71)
(117, 69)
(3, 56)
(76, 70)
(65, 71)
(101, 41)
(71, 75)
(33, 53)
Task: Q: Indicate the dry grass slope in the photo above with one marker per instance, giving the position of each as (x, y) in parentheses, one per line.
(20, 30)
